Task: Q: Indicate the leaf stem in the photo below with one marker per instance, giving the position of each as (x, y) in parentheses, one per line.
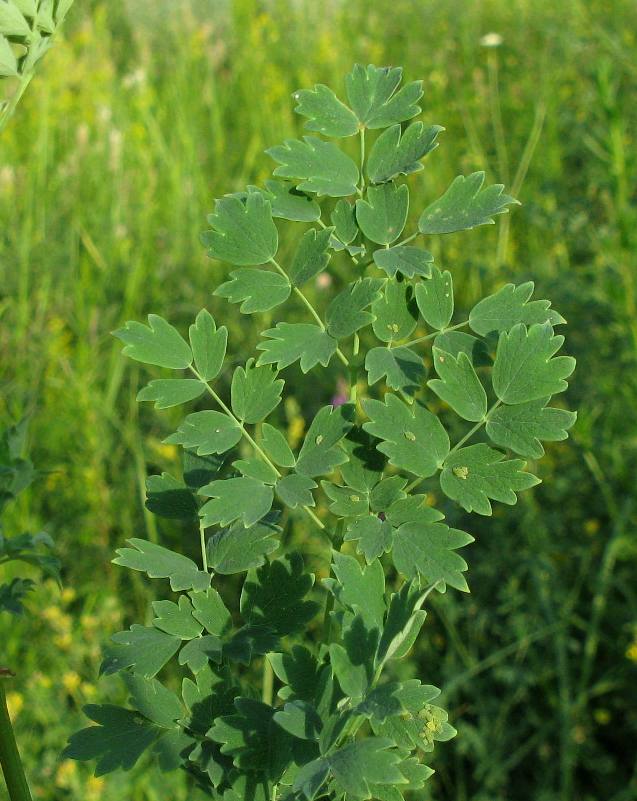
(9, 109)
(435, 334)
(311, 309)
(406, 240)
(202, 540)
(9, 755)
(362, 140)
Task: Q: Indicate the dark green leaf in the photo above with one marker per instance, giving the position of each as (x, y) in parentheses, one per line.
(255, 392)
(237, 548)
(320, 452)
(473, 475)
(375, 536)
(364, 466)
(167, 497)
(299, 671)
(153, 700)
(290, 204)
(242, 233)
(311, 778)
(395, 312)
(311, 257)
(353, 662)
(395, 153)
(167, 392)
(346, 313)
(210, 611)
(508, 306)
(464, 205)
(157, 343)
(408, 261)
(199, 652)
(521, 427)
(403, 622)
(142, 648)
(290, 342)
(208, 432)
(371, 92)
(243, 498)
(361, 589)
(345, 502)
(171, 750)
(299, 719)
(401, 367)
(320, 166)
(159, 562)
(325, 112)
(176, 619)
(526, 367)
(256, 290)
(412, 437)
(364, 763)
(343, 219)
(383, 215)
(458, 385)
(208, 345)
(295, 490)
(435, 299)
(429, 550)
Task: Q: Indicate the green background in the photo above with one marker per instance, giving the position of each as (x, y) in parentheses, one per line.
(140, 116)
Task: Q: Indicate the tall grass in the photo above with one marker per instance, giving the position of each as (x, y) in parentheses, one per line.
(141, 116)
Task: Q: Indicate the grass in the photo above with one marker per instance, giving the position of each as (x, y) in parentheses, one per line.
(139, 118)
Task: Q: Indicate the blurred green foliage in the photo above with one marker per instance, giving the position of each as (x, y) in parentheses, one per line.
(141, 115)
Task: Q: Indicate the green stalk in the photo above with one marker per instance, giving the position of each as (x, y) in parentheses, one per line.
(9, 756)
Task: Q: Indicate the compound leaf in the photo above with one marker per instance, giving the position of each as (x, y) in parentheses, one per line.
(359, 588)
(167, 392)
(395, 312)
(395, 153)
(375, 536)
(473, 475)
(208, 345)
(238, 548)
(408, 261)
(364, 763)
(435, 298)
(464, 205)
(320, 452)
(325, 112)
(299, 719)
(343, 219)
(243, 233)
(508, 306)
(412, 437)
(207, 432)
(430, 550)
(290, 342)
(458, 385)
(290, 204)
(275, 445)
(242, 498)
(156, 343)
(142, 648)
(321, 166)
(525, 366)
(311, 257)
(170, 498)
(153, 700)
(401, 367)
(176, 619)
(371, 92)
(159, 562)
(255, 392)
(295, 490)
(382, 216)
(521, 427)
(346, 313)
(256, 290)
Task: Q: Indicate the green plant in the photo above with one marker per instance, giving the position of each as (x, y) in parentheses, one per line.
(342, 724)
(26, 33)
(16, 474)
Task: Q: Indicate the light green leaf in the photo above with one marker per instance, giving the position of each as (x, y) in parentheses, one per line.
(375, 536)
(117, 742)
(157, 343)
(361, 589)
(320, 452)
(29, 7)
(290, 204)
(371, 92)
(256, 290)
(210, 610)
(396, 698)
(353, 662)
(364, 763)
(456, 342)
(419, 728)
(299, 719)
(413, 509)
(320, 166)
(403, 622)
(208, 432)
(344, 501)
(435, 299)
(464, 205)
(275, 445)
(176, 619)
(325, 112)
(408, 261)
(458, 385)
(311, 778)
(295, 490)
(395, 312)
(159, 562)
(242, 233)
(237, 548)
(8, 61)
(521, 427)
(256, 468)
(290, 342)
(343, 219)
(401, 367)
(167, 392)
(346, 313)
(255, 392)
(395, 154)
(382, 216)
(198, 653)
(364, 466)
(412, 437)
(243, 498)
(508, 306)
(208, 345)
(429, 550)
(473, 475)
(525, 366)
(311, 257)
(153, 700)
(274, 596)
(143, 648)
(12, 23)
(386, 493)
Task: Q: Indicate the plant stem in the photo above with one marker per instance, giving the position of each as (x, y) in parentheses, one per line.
(434, 334)
(9, 109)
(362, 137)
(311, 309)
(202, 540)
(268, 682)
(9, 755)
(407, 240)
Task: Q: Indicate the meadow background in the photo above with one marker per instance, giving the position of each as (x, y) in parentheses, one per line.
(140, 116)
